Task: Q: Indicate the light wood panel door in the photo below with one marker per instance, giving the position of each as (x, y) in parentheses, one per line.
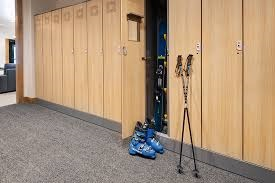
(112, 60)
(47, 56)
(222, 77)
(259, 82)
(57, 56)
(133, 73)
(184, 37)
(68, 56)
(39, 81)
(95, 57)
(80, 56)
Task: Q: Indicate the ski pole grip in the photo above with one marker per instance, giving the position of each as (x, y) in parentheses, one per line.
(188, 65)
(178, 69)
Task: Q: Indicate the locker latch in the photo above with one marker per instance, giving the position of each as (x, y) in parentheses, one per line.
(124, 51)
(239, 46)
(198, 47)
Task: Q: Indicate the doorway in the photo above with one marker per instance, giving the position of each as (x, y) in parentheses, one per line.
(12, 51)
(7, 62)
(156, 63)
(11, 74)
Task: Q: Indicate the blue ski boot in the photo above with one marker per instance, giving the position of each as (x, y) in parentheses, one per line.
(138, 144)
(151, 137)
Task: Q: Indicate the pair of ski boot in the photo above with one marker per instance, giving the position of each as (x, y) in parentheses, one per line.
(144, 141)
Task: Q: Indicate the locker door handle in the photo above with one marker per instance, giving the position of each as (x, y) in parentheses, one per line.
(124, 51)
(72, 51)
(239, 45)
(146, 58)
(198, 47)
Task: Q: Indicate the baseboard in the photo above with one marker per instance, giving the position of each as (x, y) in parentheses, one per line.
(229, 164)
(106, 123)
(29, 100)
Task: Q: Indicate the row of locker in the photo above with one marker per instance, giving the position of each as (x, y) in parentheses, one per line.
(79, 64)
(85, 59)
(232, 90)
(69, 58)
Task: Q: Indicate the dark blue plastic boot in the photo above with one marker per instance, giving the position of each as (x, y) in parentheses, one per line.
(138, 144)
(151, 137)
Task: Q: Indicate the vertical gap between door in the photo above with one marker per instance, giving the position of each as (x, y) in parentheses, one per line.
(201, 76)
(242, 79)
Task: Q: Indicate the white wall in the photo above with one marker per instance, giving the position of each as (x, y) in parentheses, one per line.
(2, 52)
(2, 49)
(28, 47)
(4, 34)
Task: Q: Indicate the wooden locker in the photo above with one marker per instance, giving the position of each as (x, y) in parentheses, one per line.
(39, 56)
(184, 35)
(57, 56)
(222, 77)
(95, 57)
(47, 56)
(80, 57)
(112, 60)
(259, 82)
(133, 73)
(68, 56)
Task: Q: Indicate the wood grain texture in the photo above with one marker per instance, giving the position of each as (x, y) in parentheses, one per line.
(184, 34)
(133, 70)
(19, 51)
(134, 6)
(39, 71)
(95, 57)
(259, 82)
(47, 57)
(222, 77)
(112, 60)
(28, 100)
(68, 56)
(57, 56)
(80, 57)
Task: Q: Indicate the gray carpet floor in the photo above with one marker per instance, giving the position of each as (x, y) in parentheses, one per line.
(41, 145)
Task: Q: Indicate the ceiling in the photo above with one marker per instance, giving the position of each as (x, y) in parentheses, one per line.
(7, 16)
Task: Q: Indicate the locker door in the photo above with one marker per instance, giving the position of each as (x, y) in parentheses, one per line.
(222, 77)
(39, 56)
(259, 82)
(57, 56)
(80, 56)
(95, 57)
(112, 60)
(182, 41)
(68, 56)
(133, 73)
(47, 56)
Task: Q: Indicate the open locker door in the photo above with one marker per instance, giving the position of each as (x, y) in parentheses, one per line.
(133, 67)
